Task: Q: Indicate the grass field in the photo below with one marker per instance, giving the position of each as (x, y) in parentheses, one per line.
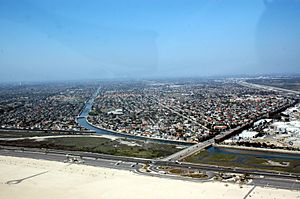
(32, 133)
(245, 161)
(120, 147)
(292, 83)
(10, 134)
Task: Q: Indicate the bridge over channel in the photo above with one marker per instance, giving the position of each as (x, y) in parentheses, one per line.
(189, 150)
(202, 145)
(223, 135)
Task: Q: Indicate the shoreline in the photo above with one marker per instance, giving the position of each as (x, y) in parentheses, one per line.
(52, 179)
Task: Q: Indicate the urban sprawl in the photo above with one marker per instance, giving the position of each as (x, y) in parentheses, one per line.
(185, 110)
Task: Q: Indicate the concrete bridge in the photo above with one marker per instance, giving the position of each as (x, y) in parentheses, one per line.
(223, 135)
(189, 150)
(202, 145)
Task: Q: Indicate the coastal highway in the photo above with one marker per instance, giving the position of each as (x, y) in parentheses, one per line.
(113, 164)
(261, 178)
(265, 87)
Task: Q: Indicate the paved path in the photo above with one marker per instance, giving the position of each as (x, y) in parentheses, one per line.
(249, 192)
(270, 179)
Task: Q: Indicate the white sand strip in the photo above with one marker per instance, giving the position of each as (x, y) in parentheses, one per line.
(48, 179)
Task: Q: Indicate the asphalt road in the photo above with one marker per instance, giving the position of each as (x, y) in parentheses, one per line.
(260, 178)
(113, 164)
(276, 183)
(189, 150)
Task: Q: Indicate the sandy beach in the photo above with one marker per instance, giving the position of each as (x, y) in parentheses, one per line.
(28, 178)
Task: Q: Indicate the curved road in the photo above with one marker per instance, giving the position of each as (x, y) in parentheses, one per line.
(271, 179)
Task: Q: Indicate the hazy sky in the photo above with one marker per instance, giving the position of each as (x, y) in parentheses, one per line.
(93, 39)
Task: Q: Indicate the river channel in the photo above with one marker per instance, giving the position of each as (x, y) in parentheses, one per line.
(82, 121)
(241, 155)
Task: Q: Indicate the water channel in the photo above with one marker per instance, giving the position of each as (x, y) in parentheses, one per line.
(241, 154)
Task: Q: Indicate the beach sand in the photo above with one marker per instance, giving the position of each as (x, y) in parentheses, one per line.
(48, 179)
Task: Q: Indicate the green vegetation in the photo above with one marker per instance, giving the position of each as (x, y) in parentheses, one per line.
(100, 145)
(292, 83)
(196, 175)
(175, 171)
(207, 157)
(93, 113)
(245, 161)
(257, 161)
(222, 157)
(184, 172)
(16, 134)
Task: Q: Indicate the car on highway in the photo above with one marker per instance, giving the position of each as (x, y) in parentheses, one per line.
(119, 162)
(162, 172)
(133, 165)
(177, 162)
